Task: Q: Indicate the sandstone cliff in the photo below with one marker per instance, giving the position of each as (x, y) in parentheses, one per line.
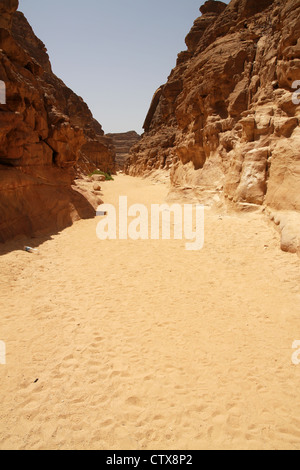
(45, 130)
(226, 123)
(123, 143)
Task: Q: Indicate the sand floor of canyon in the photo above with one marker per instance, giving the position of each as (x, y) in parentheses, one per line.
(144, 345)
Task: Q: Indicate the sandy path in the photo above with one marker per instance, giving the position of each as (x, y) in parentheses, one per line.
(143, 345)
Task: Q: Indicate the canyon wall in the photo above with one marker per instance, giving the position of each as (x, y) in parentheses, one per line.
(227, 123)
(123, 142)
(46, 130)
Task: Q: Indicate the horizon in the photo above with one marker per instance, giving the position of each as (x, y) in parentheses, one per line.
(136, 55)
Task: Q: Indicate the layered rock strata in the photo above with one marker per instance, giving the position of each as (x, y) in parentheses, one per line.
(123, 143)
(45, 130)
(227, 121)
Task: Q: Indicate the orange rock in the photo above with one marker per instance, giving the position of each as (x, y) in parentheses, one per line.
(225, 122)
(123, 142)
(45, 131)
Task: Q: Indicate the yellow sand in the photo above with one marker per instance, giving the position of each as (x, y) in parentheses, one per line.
(143, 345)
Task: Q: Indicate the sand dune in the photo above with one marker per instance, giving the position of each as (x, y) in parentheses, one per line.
(143, 345)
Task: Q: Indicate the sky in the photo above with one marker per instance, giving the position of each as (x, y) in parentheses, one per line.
(113, 53)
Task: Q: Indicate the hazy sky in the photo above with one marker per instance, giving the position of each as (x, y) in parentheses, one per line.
(113, 53)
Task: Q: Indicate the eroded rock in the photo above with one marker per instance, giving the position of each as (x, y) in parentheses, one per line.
(226, 122)
(45, 131)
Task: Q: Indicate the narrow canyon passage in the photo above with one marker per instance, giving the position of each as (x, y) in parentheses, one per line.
(144, 345)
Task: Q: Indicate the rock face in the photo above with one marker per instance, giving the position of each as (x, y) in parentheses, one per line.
(227, 122)
(123, 142)
(45, 130)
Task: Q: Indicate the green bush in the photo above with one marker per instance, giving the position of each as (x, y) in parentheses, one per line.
(108, 176)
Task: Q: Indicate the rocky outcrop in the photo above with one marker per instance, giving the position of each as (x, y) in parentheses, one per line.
(227, 120)
(123, 142)
(45, 130)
